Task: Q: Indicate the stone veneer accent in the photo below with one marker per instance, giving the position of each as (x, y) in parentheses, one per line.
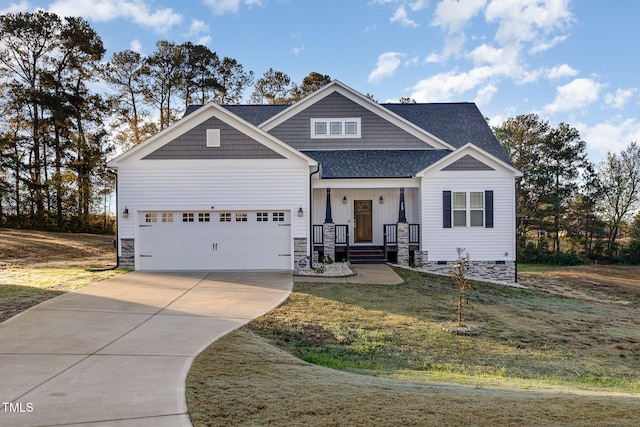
(329, 239)
(127, 251)
(488, 271)
(300, 257)
(403, 244)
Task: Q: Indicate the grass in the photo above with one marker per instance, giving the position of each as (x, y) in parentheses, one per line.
(391, 362)
(22, 288)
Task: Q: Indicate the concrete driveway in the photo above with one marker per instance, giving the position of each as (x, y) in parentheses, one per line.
(117, 352)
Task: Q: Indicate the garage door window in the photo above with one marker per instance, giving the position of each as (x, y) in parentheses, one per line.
(167, 217)
(204, 217)
(278, 216)
(241, 217)
(151, 217)
(187, 217)
(225, 216)
(263, 216)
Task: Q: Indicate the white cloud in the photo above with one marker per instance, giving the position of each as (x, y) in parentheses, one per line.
(452, 15)
(541, 45)
(23, 6)
(401, 16)
(528, 20)
(446, 87)
(485, 94)
(561, 71)
(220, 7)
(297, 50)
(135, 45)
(198, 27)
(575, 95)
(161, 20)
(620, 98)
(386, 66)
(612, 135)
(433, 57)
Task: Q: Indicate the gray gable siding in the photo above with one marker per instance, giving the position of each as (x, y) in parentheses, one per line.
(233, 145)
(468, 163)
(376, 133)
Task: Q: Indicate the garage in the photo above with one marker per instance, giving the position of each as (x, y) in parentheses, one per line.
(214, 240)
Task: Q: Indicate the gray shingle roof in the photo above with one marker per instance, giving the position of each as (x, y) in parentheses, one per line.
(375, 163)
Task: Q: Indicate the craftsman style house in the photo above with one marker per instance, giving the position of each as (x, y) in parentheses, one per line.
(333, 175)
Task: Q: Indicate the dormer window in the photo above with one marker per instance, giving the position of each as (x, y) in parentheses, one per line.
(335, 128)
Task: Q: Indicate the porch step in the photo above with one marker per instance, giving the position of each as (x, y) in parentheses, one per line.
(367, 255)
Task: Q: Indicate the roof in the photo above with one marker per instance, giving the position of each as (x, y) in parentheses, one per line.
(458, 123)
(375, 163)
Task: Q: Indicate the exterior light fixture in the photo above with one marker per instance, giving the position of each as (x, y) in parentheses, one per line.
(300, 212)
(344, 200)
(125, 212)
(381, 200)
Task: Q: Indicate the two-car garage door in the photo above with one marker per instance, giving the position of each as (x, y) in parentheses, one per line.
(214, 240)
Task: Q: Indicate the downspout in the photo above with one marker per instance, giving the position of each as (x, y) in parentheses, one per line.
(311, 216)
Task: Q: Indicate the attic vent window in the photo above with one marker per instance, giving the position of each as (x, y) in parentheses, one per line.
(213, 137)
(335, 128)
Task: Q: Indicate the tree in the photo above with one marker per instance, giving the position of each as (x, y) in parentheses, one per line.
(273, 86)
(563, 158)
(233, 81)
(620, 177)
(522, 138)
(310, 84)
(199, 73)
(124, 74)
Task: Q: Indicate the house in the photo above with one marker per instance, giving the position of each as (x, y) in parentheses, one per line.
(333, 175)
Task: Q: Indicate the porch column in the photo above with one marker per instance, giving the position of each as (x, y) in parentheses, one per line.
(403, 233)
(329, 230)
(402, 213)
(327, 215)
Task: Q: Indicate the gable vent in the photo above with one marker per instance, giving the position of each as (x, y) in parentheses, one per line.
(213, 137)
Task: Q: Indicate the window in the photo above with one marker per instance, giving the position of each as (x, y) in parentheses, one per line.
(187, 217)
(151, 217)
(459, 209)
(213, 138)
(462, 209)
(225, 216)
(476, 212)
(263, 216)
(203, 217)
(167, 217)
(241, 217)
(278, 216)
(335, 128)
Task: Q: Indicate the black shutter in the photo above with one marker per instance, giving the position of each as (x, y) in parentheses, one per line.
(446, 209)
(488, 209)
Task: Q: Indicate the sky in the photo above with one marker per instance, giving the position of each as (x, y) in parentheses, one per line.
(569, 61)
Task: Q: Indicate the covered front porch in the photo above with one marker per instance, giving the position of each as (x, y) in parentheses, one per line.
(367, 224)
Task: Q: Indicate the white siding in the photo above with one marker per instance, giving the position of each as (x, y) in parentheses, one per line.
(482, 244)
(219, 185)
(386, 213)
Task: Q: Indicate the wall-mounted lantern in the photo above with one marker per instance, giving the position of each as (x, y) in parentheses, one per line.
(381, 200)
(344, 200)
(300, 212)
(125, 212)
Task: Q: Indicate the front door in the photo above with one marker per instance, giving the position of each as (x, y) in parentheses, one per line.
(363, 225)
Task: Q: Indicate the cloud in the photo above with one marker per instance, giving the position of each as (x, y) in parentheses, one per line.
(612, 135)
(220, 7)
(561, 71)
(528, 20)
(452, 15)
(401, 16)
(386, 66)
(575, 95)
(135, 45)
(485, 94)
(161, 20)
(620, 98)
(15, 8)
(445, 87)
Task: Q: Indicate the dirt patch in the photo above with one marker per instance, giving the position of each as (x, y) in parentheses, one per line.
(26, 248)
(594, 283)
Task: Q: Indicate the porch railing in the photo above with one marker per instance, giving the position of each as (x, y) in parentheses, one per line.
(390, 238)
(414, 234)
(318, 241)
